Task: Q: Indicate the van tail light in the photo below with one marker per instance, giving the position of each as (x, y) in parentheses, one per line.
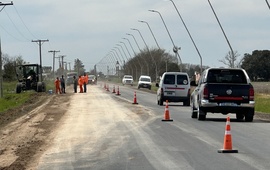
(205, 93)
(251, 93)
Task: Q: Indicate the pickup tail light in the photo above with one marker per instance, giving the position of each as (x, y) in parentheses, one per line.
(205, 93)
(251, 93)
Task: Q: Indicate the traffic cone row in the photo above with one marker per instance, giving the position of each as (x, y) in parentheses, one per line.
(227, 144)
(167, 113)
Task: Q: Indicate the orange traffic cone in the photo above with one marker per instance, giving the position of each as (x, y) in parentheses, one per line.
(166, 113)
(135, 98)
(107, 89)
(113, 89)
(118, 92)
(227, 145)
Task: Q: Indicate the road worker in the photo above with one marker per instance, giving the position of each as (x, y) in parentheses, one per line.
(85, 82)
(57, 86)
(80, 82)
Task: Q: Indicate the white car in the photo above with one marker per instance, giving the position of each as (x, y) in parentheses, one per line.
(127, 80)
(145, 82)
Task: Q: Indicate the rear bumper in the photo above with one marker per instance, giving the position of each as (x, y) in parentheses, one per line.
(227, 107)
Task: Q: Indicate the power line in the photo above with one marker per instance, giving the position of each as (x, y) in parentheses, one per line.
(23, 22)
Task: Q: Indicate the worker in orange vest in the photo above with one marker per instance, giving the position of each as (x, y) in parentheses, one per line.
(80, 82)
(57, 86)
(85, 82)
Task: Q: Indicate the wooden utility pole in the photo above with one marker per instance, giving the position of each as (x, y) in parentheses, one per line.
(1, 73)
(62, 65)
(40, 42)
(53, 51)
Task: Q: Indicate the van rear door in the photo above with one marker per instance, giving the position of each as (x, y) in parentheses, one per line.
(169, 85)
(182, 85)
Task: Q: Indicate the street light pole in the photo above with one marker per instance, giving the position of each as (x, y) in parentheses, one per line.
(151, 32)
(130, 58)
(140, 51)
(148, 51)
(175, 48)
(188, 32)
(134, 54)
(233, 56)
(267, 4)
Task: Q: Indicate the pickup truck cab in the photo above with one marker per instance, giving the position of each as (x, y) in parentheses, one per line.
(223, 90)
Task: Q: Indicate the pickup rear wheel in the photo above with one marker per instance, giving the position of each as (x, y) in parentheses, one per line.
(239, 116)
(249, 115)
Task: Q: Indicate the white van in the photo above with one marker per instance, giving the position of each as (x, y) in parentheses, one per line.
(174, 87)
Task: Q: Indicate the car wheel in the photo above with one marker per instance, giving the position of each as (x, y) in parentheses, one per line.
(186, 103)
(201, 115)
(249, 115)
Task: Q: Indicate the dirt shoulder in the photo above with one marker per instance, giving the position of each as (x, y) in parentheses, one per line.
(24, 131)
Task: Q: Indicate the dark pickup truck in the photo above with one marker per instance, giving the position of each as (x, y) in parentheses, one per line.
(222, 90)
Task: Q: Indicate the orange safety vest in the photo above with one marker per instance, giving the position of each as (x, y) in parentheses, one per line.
(80, 81)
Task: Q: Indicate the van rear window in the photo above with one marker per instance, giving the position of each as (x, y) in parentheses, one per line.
(169, 79)
(182, 80)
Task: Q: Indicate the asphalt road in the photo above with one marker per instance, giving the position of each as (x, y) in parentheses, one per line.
(105, 131)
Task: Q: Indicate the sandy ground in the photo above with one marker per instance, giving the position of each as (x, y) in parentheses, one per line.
(25, 131)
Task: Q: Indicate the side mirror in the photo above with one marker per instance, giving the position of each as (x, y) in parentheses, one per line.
(193, 83)
(157, 85)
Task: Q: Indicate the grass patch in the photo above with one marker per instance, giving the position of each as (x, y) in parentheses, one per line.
(262, 103)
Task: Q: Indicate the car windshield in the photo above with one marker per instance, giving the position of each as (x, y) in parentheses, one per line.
(145, 79)
(128, 77)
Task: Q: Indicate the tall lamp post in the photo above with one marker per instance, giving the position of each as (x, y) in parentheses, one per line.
(140, 50)
(134, 54)
(117, 69)
(188, 32)
(151, 32)
(267, 4)
(148, 51)
(175, 48)
(130, 58)
(223, 32)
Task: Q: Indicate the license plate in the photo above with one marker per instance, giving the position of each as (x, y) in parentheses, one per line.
(170, 93)
(227, 104)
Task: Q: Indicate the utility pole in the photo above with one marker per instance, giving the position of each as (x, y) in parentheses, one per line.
(62, 65)
(40, 42)
(1, 73)
(53, 51)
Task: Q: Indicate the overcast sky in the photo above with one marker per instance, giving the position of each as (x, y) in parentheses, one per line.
(89, 29)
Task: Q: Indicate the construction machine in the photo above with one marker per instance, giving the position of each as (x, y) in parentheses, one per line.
(29, 78)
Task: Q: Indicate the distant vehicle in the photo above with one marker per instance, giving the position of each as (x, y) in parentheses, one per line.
(174, 87)
(144, 82)
(69, 79)
(92, 79)
(29, 78)
(127, 80)
(223, 91)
